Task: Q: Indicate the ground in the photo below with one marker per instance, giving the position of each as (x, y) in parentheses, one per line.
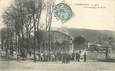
(48, 66)
(29, 65)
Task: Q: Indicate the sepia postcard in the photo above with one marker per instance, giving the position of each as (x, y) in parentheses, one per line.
(57, 35)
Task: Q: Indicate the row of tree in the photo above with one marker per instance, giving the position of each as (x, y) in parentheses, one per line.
(22, 32)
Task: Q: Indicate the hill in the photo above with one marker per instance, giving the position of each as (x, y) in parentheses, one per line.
(88, 34)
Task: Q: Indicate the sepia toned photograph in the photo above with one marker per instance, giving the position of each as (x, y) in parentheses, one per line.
(57, 35)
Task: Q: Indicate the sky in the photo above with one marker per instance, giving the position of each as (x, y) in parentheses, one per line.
(3, 6)
(84, 17)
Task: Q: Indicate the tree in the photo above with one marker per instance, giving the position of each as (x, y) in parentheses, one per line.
(79, 40)
(23, 17)
(3, 37)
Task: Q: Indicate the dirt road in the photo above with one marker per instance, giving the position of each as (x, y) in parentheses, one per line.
(47, 66)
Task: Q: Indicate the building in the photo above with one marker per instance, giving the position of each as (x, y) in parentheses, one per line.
(56, 42)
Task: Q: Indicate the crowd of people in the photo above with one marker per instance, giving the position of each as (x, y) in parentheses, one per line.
(78, 56)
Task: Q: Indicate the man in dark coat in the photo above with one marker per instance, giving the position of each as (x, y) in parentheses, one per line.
(85, 57)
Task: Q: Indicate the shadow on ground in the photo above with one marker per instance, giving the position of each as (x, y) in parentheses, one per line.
(106, 60)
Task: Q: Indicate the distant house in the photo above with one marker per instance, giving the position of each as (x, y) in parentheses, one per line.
(56, 42)
(99, 46)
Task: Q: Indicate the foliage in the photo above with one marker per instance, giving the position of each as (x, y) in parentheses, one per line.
(79, 40)
(22, 22)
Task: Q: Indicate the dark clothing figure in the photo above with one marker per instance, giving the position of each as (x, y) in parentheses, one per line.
(63, 58)
(66, 58)
(78, 57)
(85, 57)
(73, 57)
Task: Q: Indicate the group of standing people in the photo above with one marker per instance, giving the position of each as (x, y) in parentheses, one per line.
(80, 55)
